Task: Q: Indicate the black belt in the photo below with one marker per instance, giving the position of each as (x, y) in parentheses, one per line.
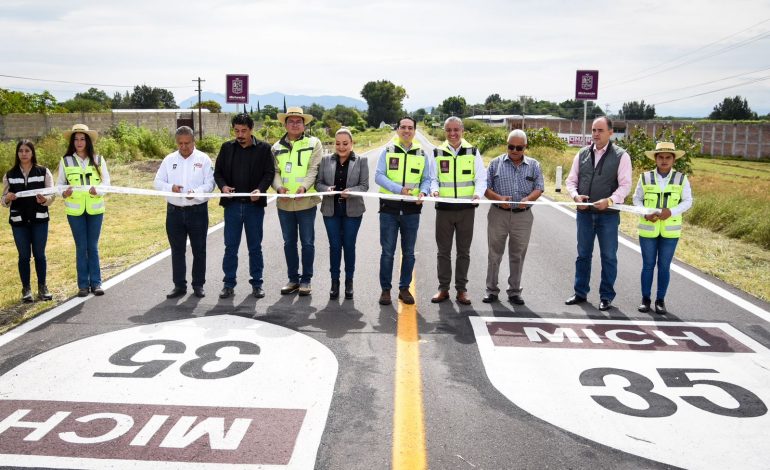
(512, 209)
(185, 208)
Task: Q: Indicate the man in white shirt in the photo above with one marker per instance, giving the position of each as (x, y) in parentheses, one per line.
(188, 171)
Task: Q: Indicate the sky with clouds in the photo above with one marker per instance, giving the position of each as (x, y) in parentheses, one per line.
(663, 52)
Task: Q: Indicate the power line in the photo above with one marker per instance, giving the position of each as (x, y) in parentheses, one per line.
(647, 71)
(707, 83)
(714, 91)
(82, 83)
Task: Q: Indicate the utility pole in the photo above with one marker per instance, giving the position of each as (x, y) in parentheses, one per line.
(200, 118)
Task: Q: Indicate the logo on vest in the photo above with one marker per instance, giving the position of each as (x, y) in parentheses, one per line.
(444, 166)
(393, 163)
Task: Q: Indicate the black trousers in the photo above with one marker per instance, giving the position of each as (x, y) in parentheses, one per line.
(181, 223)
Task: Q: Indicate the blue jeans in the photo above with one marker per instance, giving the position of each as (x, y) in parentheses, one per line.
(660, 250)
(604, 227)
(302, 223)
(390, 226)
(183, 222)
(241, 215)
(342, 231)
(30, 241)
(86, 229)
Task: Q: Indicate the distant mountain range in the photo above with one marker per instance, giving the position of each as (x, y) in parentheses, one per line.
(276, 99)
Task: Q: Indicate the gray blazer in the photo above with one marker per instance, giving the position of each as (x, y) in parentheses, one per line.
(358, 180)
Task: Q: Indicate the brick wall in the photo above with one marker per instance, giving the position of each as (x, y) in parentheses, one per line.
(750, 141)
(25, 126)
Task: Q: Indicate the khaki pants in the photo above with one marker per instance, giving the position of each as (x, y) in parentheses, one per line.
(449, 223)
(516, 227)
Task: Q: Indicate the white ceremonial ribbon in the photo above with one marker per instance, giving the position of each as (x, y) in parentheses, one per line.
(103, 189)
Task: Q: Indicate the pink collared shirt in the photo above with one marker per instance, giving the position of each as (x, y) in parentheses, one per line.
(624, 175)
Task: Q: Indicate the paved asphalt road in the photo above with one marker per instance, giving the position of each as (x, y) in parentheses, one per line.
(566, 399)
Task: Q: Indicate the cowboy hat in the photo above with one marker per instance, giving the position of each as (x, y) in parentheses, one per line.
(83, 129)
(664, 147)
(295, 111)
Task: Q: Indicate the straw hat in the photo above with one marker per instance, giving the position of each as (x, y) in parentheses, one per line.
(83, 129)
(664, 147)
(294, 111)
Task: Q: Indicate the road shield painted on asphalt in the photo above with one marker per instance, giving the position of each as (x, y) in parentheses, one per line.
(694, 395)
(195, 393)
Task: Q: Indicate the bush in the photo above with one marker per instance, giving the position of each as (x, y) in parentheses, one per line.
(637, 142)
(210, 144)
(545, 138)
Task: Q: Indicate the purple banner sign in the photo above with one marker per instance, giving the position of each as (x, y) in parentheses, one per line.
(587, 85)
(237, 89)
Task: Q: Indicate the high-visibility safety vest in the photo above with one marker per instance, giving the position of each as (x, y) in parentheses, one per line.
(657, 198)
(26, 210)
(405, 167)
(82, 201)
(456, 174)
(293, 161)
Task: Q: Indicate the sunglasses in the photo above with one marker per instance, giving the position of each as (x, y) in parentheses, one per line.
(517, 148)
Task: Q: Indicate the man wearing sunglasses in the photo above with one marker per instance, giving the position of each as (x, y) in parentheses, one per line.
(515, 178)
(600, 174)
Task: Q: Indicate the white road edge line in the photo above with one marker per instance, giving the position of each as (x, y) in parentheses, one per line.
(725, 294)
(30, 325)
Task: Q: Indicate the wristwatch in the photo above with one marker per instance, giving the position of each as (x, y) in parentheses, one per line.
(610, 202)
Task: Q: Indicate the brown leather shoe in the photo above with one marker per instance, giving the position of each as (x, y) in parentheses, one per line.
(385, 298)
(462, 297)
(405, 296)
(440, 296)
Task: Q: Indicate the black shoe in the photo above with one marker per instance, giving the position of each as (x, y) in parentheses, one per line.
(660, 307)
(226, 292)
(516, 299)
(385, 298)
(83, 292)
(349, 289)
(199, 292)
(605, 305)
(575, 299)
(334, 292)
(489, 298)
(644, 307)
(97, 290)
(258, 292)
(176, 292)
(26, 294)
(42, 293)
(290, 288)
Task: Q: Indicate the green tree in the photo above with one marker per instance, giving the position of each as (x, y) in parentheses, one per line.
(211, 105)
(83, 105)
(733, 109)
(345, 116)
(492, 100)
(384, 99)
(454, 106)
(573, 109)
(20, 102)
(316, 110)
(636, 142)
(147, 97)
(637, 110)
(270, 111)
(420, 114)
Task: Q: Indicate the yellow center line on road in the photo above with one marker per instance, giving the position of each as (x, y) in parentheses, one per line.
(408, 424)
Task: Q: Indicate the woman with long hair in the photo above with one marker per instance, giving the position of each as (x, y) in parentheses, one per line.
(82, 167)
(29, 216)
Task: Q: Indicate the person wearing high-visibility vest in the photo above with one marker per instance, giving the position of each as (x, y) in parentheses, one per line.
(403, 168)
(668, 191)
(297, 158)
(29, 216)
(461, 175)
(81, 166)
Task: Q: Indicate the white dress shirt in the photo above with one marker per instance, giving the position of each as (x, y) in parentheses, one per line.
(194, 174)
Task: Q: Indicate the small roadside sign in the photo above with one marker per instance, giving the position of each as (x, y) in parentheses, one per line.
(237, 88)
(587, 85)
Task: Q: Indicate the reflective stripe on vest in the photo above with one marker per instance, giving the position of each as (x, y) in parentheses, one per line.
(655, 198)
(456, 174)
(293, 163)
(82, 201)
(404, 167)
